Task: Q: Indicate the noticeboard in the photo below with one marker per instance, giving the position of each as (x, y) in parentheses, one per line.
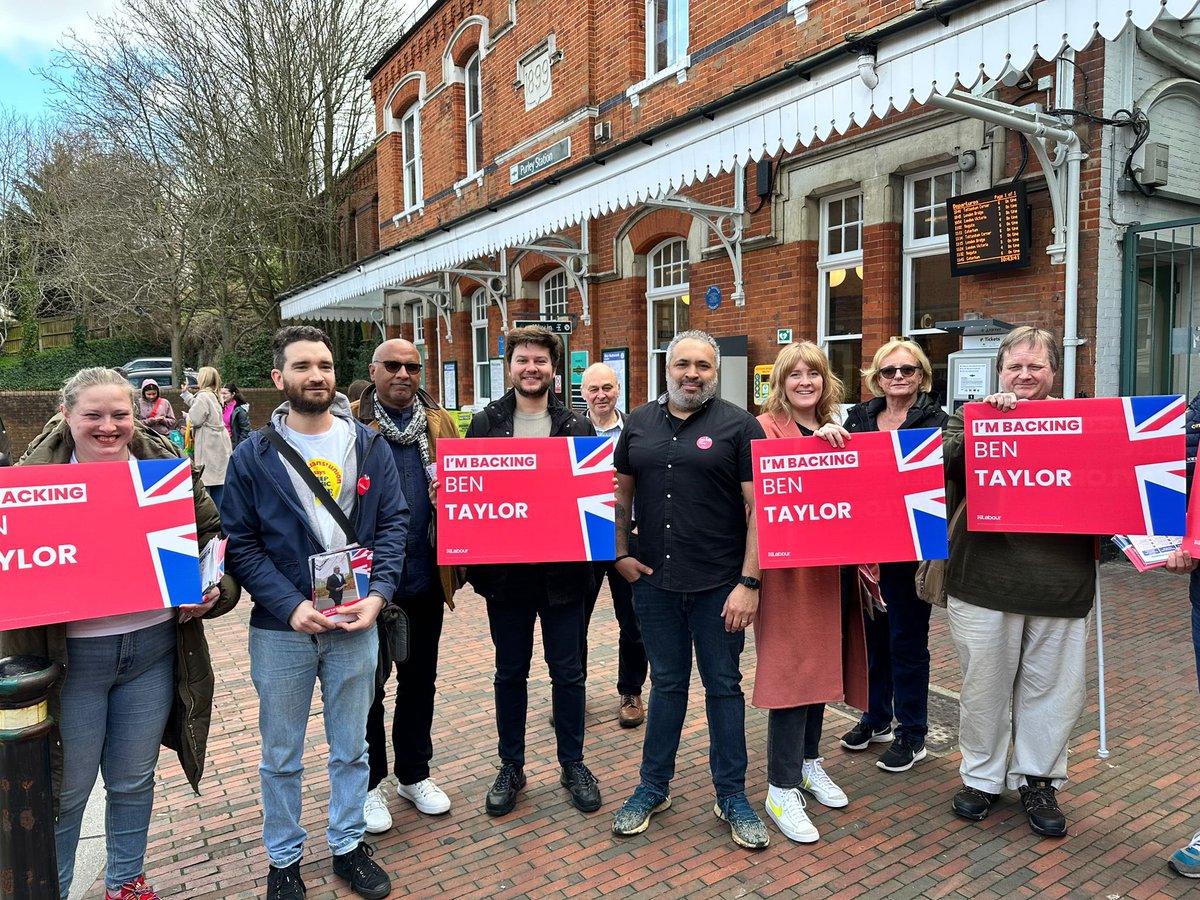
(989, 230)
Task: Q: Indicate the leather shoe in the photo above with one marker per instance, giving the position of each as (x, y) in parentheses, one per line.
(503, 796)
(579, 780)
(1041, 805)
(632, 712)
(972, 803)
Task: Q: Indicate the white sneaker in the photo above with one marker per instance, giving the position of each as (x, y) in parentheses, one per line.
(426, 796)
(818, 783)
(376, 812)
(786, 808)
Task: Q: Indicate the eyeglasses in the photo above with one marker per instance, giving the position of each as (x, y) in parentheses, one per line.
(393, 366)
(890, 371)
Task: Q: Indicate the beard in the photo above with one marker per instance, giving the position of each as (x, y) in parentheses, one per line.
(305, 404)
(689, 402)
(535, 393)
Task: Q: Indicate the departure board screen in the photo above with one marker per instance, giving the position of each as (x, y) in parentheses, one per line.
(989, 230)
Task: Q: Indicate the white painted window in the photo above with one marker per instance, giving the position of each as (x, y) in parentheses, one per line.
(410, 131)
(667, 305)
(474, 89)
(840, 287)
(417, 311)
(553, 293)
(479, 345)
(666, 34)
(930, 293)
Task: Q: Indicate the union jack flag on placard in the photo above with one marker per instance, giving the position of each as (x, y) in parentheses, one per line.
(360, 563)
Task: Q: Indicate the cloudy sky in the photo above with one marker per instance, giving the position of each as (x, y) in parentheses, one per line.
(29, 31)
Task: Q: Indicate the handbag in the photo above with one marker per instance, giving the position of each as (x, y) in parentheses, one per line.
(931, 573)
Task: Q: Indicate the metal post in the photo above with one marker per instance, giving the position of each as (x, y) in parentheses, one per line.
(28, 865)
(1102, 752)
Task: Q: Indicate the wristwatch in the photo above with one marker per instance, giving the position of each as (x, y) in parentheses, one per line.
(753, 583)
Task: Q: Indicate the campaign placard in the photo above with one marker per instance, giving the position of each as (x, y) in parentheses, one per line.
(882, 498)
(525, 500)
(1107, 465)
(96, 539)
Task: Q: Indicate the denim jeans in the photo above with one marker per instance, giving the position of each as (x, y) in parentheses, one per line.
(115, 701)
(510, 619)
(285, 666)
(631, 652)
(672, 622)
(898, 655)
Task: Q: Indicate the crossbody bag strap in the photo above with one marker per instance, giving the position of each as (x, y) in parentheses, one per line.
(296, 461)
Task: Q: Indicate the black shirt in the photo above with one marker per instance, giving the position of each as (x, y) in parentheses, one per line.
(691, 516)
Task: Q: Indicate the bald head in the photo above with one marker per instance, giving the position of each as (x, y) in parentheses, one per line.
(600, 388)
(396, 372)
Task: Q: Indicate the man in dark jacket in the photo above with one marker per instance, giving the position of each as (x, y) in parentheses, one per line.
(275, 524)
(517, 595)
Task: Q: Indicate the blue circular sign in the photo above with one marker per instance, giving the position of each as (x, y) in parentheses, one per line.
(712, 297)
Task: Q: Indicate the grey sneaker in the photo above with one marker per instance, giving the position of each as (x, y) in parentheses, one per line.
(634, 816)
(747, 828)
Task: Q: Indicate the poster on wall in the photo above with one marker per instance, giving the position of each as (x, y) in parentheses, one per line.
(617, 359)
(1102, 465)
(579, 363)
(450, 384)
(96, 539)
(496, 378)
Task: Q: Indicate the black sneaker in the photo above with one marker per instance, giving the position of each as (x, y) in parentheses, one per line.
(901, 755)
(972, 803)
(1041, 805)
(579, 780)
(365, 877)
(503, 796)
(862, 734)
(285, 883)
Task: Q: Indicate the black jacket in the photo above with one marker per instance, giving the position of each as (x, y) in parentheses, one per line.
(239, 424)
(924, 413)
(565, 582)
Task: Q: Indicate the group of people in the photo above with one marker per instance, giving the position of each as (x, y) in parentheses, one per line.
(326, 475)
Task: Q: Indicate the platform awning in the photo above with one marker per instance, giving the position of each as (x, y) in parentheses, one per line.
(980, 42)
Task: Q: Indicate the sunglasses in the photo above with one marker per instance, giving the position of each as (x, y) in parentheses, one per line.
(393, 367)
(890, 371)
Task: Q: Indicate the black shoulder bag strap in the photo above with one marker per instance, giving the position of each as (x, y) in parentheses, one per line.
(293, 459)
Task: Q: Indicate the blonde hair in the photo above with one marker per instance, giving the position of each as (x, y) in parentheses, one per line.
(208, 379)
(809, 354)
(90, 378)
(871, 373)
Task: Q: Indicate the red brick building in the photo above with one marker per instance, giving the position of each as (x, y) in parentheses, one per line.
(643, 166)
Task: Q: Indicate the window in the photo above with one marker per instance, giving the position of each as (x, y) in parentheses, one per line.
(666, 34)
(554, 294)
(474, 116)
(667, 305)
(480, 346)
(840, 288)
(410, 133)
(418, 321)
(930, 293)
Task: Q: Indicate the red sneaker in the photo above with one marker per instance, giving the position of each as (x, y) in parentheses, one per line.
(132, 890)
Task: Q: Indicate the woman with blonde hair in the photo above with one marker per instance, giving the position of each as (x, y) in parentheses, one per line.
(899, 377)
(210, 440)
(809, 650)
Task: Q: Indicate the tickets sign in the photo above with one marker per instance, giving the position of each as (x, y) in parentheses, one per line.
(525, 500)
(1109, 465)
(100, 539)
(880, 499)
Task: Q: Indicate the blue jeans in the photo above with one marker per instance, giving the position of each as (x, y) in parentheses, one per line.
(672, 622)
(285, 666)
(115, 700)
(898, 655)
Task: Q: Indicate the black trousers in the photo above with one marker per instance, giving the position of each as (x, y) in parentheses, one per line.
(788, 732)
(631, 652)
(412, 721)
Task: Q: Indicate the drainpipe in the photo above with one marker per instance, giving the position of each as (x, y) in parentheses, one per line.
(1064, 87)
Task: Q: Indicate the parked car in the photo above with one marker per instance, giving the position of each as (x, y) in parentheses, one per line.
(163, 376)
(5, 448)
(145, 362)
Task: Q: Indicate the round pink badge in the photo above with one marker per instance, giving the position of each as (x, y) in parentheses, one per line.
(704, 442)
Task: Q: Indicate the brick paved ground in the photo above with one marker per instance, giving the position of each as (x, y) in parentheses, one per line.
(896, 839)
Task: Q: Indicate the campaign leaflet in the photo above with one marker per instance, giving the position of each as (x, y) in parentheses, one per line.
(881, 498)
(96, 539)
(525, 500)
(1108, 465)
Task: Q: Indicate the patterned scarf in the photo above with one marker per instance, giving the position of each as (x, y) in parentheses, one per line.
(417, 431)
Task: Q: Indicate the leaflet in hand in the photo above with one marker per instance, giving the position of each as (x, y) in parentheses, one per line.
(1147, 551)
(212, 563)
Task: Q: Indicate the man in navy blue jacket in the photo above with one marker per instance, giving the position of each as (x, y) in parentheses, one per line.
(275, 524)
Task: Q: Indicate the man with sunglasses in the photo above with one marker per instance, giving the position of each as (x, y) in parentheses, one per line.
(412, 423)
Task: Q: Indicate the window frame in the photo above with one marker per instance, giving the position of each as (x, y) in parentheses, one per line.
(478, 322)
(417, 311)
(677, 36)
(658, 291)
(918, 248)
(414, 198)
(560, 283)
(474, 123)
(828, 262)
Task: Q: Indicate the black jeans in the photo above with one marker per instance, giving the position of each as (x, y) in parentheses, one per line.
(412, 722)
(631, 652)
(511, 618)
(789, 730)
(898, 655)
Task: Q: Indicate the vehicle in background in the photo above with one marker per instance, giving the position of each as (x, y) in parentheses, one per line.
(165, 379)
(145, 362)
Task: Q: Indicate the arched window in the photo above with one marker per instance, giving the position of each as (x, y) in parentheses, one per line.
(667, 305)
(410, 138)
(480, 346)
(474, 135)
(554, 294)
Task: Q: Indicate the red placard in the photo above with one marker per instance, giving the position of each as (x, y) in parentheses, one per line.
(1109, 465)
(525, 500)
(100, 539)
(881, 499)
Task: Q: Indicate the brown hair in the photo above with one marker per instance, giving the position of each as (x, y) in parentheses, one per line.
(533, 334)
(871, 373)
(290, 334)
(809, 354)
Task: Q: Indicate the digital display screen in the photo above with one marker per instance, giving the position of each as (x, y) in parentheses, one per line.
(989, 230)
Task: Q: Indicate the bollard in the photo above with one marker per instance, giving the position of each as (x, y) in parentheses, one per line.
(28, 864)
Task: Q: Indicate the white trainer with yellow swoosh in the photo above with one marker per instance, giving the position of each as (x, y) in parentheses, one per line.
(786, 809)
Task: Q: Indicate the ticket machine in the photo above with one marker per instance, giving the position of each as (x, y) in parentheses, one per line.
(971, 371)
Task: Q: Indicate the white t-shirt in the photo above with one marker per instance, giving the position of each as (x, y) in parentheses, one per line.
(326, 457)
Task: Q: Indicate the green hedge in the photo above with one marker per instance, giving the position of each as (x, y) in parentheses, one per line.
(47, 370)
